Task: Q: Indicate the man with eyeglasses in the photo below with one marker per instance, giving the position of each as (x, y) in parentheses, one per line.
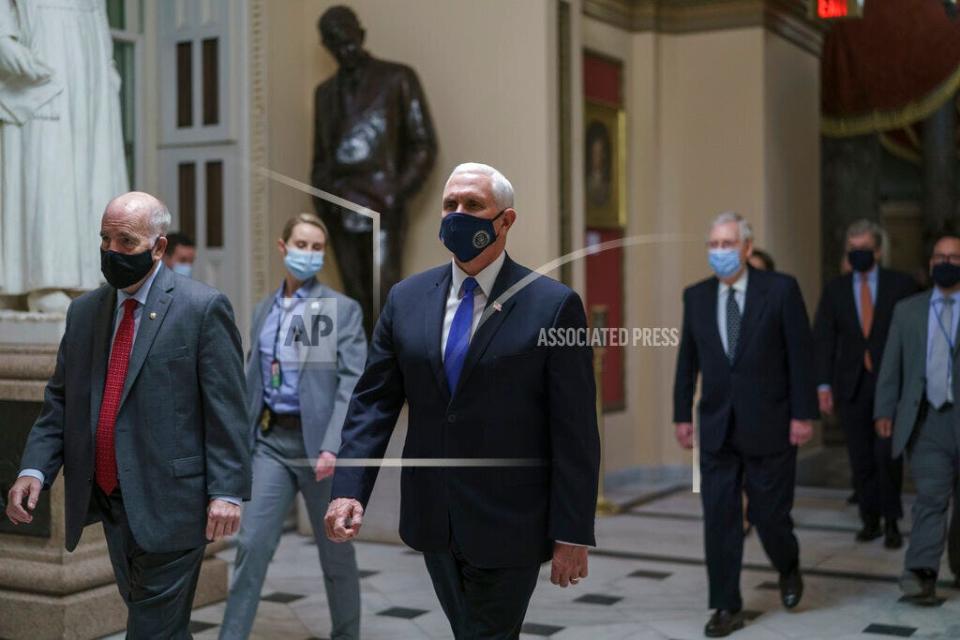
(916, 405)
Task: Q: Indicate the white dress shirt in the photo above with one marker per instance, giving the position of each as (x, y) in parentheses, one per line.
(481, 294)
(740, 295)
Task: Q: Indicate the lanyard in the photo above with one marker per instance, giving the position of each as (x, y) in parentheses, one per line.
(276, 373)
(946, 334)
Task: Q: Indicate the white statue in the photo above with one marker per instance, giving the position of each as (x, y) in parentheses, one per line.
(61, 145)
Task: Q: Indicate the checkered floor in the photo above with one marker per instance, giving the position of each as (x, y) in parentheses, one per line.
(647, 580)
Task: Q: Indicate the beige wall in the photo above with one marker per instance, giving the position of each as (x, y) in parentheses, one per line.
(792, 130)
(490, 83)
(717, 120)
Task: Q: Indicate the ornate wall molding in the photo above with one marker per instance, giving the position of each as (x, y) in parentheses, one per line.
(786, 18)
(259, 187)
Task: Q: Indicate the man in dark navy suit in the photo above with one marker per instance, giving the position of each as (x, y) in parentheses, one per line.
(509, 417)
(850, 330)
(746, 333)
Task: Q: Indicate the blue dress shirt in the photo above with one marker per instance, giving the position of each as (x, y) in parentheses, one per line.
(286, 398)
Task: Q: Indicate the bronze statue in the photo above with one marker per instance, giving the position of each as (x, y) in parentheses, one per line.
(374, 145)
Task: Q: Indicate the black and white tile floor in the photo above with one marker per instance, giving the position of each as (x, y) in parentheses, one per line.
(647, 581)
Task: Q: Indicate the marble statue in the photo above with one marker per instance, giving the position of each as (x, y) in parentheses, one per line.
(61, 146)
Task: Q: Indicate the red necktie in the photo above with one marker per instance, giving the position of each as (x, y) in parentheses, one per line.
(106, 469)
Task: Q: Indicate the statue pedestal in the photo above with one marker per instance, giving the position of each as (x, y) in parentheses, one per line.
(31, 327)
(45, 591)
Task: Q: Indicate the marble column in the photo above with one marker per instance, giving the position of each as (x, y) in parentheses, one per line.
(939, 169)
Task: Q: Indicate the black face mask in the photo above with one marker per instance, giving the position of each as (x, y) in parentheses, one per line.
(945, 274)
(861, 259)
(122, 269)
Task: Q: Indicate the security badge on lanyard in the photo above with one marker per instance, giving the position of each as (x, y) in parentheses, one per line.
(276, 374)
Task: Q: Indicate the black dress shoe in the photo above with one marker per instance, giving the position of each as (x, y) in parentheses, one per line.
(722, 623)
(791, 588)
(892, 539)
(919, 584)
(871, 531)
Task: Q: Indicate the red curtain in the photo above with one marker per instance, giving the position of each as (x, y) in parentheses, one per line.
(894, 66)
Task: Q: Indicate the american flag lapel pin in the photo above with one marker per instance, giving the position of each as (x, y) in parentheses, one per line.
(497, 306)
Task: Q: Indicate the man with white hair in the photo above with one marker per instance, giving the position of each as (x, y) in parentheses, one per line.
(745, 332)
(508, 424)
(145, 414)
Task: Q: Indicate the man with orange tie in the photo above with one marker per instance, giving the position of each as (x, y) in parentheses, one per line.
(145, 414)
(850, 330)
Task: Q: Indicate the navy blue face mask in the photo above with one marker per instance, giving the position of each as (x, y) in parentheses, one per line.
(466, 236)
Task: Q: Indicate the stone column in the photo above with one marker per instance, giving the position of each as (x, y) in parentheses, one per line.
(939, 169)
(46, 592)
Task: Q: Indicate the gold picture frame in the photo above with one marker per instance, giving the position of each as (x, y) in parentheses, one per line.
(604, 166)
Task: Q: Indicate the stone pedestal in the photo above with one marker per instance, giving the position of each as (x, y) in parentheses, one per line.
(46, 592)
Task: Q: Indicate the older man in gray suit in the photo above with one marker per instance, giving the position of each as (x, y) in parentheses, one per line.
(916, 403)
(145, 414)
(307, 352)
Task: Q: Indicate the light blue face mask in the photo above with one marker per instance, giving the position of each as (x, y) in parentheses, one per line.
(183, 268)
(724, 262)
(303, 265)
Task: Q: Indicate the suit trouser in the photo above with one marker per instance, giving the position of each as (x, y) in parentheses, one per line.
(877, 476)
(158, 588)
(769, 481)
(953, 536)
(481, 604)
(278, 473)
(934, 450)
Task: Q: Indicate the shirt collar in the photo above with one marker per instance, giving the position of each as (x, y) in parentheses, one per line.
(485, 278)
(938, 295)
(871, 275)
(740, 286)
(301, 292)
(144, 290)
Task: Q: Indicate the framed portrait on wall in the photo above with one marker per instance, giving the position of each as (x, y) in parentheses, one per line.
(604, 162)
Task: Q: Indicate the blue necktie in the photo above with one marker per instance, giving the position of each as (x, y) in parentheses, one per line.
(458, 340)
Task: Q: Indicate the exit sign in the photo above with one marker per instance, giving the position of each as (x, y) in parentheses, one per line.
(836, 9)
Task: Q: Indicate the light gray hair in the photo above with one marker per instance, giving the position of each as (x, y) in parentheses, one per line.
(160, 220)
(502, 189)
(862, 226)
(744, 228)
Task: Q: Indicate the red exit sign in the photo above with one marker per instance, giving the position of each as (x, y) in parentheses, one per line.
(834, 9)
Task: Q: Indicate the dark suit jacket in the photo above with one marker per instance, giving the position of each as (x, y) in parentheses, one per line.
(515, 399)
(380, 152)
(840, 343)
(770, 380)
(181, 430)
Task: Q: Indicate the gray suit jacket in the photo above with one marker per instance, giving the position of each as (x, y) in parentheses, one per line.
(902, 382)
(180, 434)
(324, 390)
